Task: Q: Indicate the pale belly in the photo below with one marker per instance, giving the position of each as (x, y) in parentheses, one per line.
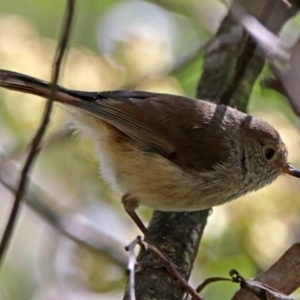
(155, 181)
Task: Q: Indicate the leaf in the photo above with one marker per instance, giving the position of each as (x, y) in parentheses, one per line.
(259, 289)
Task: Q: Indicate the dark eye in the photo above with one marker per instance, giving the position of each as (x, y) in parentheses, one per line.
(269, 153)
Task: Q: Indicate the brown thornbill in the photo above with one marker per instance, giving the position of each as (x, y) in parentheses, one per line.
(168, 152)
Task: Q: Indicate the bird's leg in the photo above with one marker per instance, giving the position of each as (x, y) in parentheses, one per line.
(130, 204)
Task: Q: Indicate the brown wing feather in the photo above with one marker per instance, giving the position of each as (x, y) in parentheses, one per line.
(184, 130)
(130, 119)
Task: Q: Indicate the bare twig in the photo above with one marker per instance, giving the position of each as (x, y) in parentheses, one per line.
(131, 266)
(170, 268)
(210, 280)
(165, 262)
(35, 144)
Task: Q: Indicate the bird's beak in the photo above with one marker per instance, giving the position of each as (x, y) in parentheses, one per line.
(291, 171)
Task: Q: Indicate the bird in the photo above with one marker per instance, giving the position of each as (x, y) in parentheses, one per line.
(169, 152)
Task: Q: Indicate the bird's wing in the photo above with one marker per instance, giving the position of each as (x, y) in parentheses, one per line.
(186, 131)
(132, 113)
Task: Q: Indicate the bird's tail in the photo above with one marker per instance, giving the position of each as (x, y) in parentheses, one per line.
(27, 84)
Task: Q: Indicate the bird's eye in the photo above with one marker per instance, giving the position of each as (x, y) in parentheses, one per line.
(269, 153)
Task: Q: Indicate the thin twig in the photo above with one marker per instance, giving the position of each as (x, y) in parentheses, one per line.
(210, 280)
(131, 266)
(170, 268)
(34, 150)
(165, 261)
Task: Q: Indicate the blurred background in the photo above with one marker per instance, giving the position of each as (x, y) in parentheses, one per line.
(145, 45)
